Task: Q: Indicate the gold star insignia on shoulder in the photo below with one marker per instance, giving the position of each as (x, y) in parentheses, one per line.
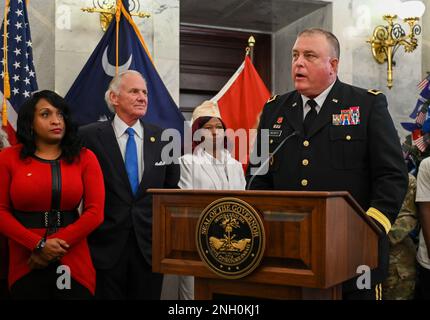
(375, 92)
(272, 98)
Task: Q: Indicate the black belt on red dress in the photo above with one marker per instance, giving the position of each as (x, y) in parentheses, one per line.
(46, 219)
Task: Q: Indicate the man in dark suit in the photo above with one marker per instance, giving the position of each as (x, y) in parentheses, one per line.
(129, 152)
(339, 137)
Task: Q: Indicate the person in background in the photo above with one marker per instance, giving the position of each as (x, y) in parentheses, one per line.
(400, 283)
(43, 180)
(422, 287)
(210, 166)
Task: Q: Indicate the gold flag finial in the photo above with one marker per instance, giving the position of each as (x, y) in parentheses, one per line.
(250, 48)
(251, 41)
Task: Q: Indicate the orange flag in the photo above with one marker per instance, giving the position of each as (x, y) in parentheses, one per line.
(240, 103)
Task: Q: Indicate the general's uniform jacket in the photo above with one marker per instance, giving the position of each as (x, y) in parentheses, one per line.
(359, 153)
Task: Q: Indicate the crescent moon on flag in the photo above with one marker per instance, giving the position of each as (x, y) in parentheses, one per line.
(109, 69)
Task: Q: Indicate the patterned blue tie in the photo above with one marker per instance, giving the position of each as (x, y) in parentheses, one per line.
(131, 161)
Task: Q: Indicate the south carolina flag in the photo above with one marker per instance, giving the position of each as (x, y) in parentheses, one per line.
(86, 96)
(240, 103)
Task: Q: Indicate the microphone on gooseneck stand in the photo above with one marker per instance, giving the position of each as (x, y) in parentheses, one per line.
(268, 159)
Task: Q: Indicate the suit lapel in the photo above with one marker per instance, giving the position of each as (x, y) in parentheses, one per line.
(208, 168)
(150, 154)
(108, 139)
(331, 106)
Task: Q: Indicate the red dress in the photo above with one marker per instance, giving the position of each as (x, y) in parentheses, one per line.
(26, 185)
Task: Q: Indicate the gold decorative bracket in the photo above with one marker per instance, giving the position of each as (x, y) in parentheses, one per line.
(387, 39)
(107, 10)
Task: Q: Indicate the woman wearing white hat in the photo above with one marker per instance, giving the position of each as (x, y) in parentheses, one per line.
(210, 166)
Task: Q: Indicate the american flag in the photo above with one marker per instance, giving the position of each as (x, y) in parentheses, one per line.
(421, 117)
(424, 82)
(421, 143)
(22, 75)
(419, 140)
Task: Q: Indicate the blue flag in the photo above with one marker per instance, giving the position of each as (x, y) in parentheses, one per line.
(22, 75)
(86, 96)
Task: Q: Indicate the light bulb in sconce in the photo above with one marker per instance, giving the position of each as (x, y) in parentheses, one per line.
(410, 9)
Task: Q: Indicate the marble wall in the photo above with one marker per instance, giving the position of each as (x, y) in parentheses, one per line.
(426, 38)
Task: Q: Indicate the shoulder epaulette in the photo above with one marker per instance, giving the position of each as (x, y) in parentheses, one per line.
(272, 98)
(375, 92)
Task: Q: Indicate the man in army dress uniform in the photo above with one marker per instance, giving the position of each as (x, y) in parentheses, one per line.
(339, 137)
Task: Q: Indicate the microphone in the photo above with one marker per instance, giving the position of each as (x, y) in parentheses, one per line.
(269, 158)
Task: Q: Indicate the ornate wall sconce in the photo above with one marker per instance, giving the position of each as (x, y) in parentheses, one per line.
(386, 40)
(107, 9)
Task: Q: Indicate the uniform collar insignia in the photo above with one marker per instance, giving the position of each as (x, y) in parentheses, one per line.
(374, 92)
(272, 98)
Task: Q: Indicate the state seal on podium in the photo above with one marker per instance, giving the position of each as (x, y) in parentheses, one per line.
(230, 238)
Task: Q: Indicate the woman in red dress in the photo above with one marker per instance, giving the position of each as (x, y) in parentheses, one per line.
(43, 180)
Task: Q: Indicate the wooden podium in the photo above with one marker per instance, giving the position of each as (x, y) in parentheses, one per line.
(314, 242)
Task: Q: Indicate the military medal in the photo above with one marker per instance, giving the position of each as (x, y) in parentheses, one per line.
(347, 117)
(336, 119)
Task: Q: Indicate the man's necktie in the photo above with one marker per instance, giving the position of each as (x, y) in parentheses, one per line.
(310, 116)
(131, 161)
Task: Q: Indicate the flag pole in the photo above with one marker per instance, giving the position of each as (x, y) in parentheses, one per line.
(117, 17)
(6, 84)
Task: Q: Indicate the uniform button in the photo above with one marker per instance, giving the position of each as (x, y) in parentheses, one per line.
(271, 141)
(304, 182)
(306, 143)
(348, 137)
(305, 162)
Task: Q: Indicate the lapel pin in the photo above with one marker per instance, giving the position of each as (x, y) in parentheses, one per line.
(152, 139)
(335, 100)
(294, 104)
